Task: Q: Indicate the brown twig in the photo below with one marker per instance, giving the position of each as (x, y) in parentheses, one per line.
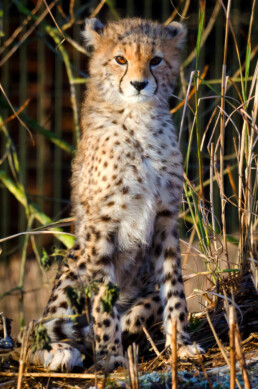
(203, 369)
(232, 347)
(151, 341)
(241, 358)
(23, 354)
(132, 354)
(231, 181)
(15, 113)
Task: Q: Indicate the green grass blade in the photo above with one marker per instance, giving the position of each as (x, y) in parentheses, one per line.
(200, 30)
(17, 191)
(194, 219)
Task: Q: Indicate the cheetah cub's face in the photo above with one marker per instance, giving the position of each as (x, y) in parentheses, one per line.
(133, 60)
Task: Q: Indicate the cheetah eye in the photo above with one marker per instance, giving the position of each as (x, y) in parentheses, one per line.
(121, 60)
(155, 61)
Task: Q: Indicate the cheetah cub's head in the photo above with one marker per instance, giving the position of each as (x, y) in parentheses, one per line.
(133, 60)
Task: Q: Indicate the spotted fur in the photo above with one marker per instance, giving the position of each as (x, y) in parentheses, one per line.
(126, 191)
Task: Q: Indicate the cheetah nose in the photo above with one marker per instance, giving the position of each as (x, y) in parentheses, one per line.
(139, 85)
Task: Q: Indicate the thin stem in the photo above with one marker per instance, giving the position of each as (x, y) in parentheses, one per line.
(222, 134)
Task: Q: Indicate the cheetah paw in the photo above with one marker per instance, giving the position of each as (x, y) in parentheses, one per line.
(189, 351)
(62, 357)
(111, 363)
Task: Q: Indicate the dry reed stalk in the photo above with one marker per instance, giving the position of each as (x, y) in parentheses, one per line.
(174, 354)
(19, 29)
(185, 105)
(212, 202)
(97, 9)
(231, 181)
(222, 350)
(51, 375)
(251, 194)
(240, 194)
(246, 193)
(132, 355)
(7, 383)
(15, 113)
(23, 354)
(88, 376)
(182, 16)
(199, 81)
(241, 358)
(189, 247)
(222, 133)
(27, 34)
(232, 347)
(21, 362)
(151, 341)
(72, 19)
(54, 20)
(208, 126)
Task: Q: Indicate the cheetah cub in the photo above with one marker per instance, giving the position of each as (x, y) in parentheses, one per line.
(126, 191)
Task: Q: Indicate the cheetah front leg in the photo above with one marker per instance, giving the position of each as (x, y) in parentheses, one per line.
(107, 332)
(145, 311)
(166, 253)
(98, 260)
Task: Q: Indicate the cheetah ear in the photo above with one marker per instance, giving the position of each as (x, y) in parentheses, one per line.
(93, 30)
(177, 31)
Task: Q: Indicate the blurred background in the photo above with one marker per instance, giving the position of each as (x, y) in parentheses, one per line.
(43, 75)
